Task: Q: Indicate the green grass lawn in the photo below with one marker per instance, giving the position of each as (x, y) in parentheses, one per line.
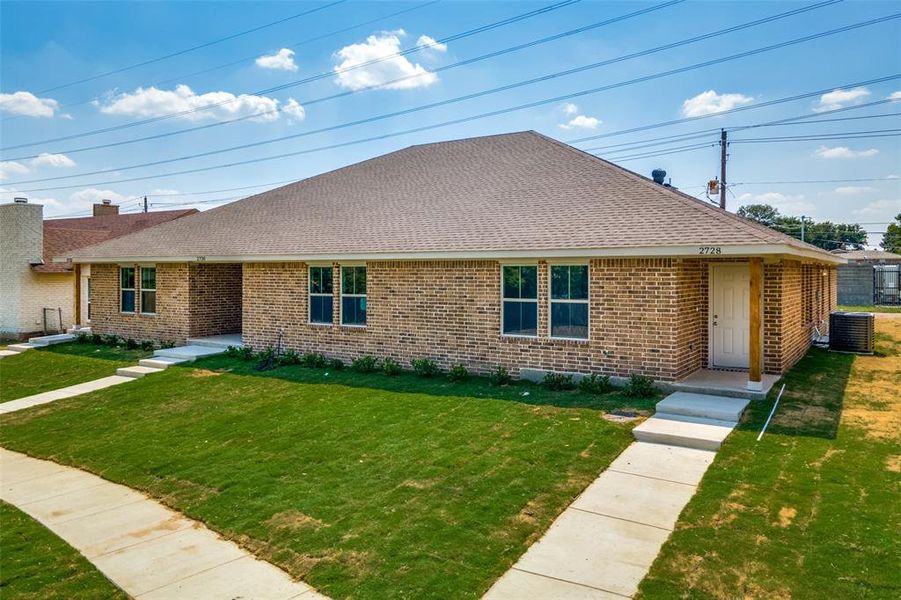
(35, 564)
(813, 509)
(363, 485)
(60, 365)
(871, 308)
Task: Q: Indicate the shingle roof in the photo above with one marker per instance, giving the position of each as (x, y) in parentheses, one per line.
(872, 255)
(62, 236)
(503, 193)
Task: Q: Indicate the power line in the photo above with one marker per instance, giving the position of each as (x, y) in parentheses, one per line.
(449, 101)
(191, 49)
(305, 103)
(806, 181)
(418, 47)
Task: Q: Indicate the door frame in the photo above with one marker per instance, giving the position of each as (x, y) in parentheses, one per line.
(710, 282)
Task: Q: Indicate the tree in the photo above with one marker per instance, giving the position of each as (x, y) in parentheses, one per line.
(891, 239)
(825, 234)
(762, 213)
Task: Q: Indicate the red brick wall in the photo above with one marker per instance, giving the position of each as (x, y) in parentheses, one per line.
(216, 299)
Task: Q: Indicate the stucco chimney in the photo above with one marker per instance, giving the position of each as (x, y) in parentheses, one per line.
(106, 207)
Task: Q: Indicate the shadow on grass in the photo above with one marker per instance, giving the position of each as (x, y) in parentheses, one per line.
(812, 403)
(407, 382)
(98, 351)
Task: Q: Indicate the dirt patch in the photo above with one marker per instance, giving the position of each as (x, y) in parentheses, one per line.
(205, 373)
(830, 452)
(872, 402)
(787, 515)
(893, 463)
(417, 484)
(803, 415)
(293, 519)
(170, 524)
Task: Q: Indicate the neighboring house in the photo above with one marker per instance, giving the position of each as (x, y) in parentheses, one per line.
(36, 291)
(513, 250)
(870, 277)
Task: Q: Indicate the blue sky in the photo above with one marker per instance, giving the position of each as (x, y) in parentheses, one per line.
(47, 45)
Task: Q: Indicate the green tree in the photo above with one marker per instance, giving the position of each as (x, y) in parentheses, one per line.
(825, 234)
(762, 213)
(891, 239)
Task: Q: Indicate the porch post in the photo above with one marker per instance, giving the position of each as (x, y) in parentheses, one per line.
(755, 353)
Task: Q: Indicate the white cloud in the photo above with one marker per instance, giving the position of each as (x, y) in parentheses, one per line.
(93, 195)
(9, 167)
(840, 98)
(154, 102)
(570, 108)
(895, 96)
(294, 110)
(886, 208)
(853, 190)
(709, 102)
(29, 105)
(581, 122)
(283, 60)
(379, 46)
(59, 161)
(790, 205)
(432, 43)
(844, 152)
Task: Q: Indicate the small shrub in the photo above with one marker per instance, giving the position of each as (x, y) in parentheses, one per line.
(147, 345)
(313, 360)
(96, 339)
(131, 344)
(500, 376)
(233, 352)
(82, 338)
(246, 353)
(458, 372)
(425, 367)
(558, 381)
(267, 359)
(335, 363)
(290, 357)
(167, 344)
(639, 386)
(111, 339)
(365, 364)
(391, 367)
(595, 384)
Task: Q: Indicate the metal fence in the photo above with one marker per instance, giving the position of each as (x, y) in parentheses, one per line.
(885, 284)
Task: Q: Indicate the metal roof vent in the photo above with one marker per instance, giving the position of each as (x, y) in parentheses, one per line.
(658, 175)
(851, 332)
(20, 200)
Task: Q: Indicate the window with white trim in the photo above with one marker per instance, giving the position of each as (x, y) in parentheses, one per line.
(127, 289)
(353, 295)
(569, 301)
(519, 300)
(321, 291)
(148, 290)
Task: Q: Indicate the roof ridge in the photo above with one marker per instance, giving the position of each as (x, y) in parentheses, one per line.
(756, 229)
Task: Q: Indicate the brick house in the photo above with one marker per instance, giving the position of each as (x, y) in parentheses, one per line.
(31, 284)
(513, 250)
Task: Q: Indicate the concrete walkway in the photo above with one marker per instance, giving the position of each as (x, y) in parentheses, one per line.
(604, 543)
(149, 551)
(66, 392)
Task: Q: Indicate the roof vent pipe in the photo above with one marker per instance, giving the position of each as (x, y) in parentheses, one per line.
(106, 201)
(20, 200)
(658, 175)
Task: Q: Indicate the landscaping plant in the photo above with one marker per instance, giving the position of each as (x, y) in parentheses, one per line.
(595, 384)
(313, 360)
(365, 364)
(500, 376)
(290, 357)
(458, 372)
(639, 386)
(391, 367)
(425, 367)
(335, 363)
(558, 381)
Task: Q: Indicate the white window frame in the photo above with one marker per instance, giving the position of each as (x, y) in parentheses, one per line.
(311, 295)
(142, 290)
(535, 301)
(133, 289)
(551, 301)
(343, 295)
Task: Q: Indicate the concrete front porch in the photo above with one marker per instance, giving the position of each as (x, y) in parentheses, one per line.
(724, 383)
(217, 341)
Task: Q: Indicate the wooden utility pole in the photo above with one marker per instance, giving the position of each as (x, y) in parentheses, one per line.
(723, 145)
(145, 203)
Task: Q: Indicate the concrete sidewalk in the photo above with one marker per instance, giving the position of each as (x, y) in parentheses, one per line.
(66, 392)
(149, 551)
(602, 546)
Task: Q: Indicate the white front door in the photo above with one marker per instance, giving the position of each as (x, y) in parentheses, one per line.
(730, 315)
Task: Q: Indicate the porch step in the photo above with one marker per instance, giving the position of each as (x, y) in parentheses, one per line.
(685, 431)
(76, 329)
(216, 341)
(188, 353)
(21, 347)
(160, 362)
(721, 408)
(136, 372)
(46, 340)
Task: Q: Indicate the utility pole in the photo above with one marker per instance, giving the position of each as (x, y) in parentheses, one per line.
(145, 203)
(803, 220)
(723, 145)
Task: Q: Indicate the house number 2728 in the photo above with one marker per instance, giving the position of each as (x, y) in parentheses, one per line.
(710, 250)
